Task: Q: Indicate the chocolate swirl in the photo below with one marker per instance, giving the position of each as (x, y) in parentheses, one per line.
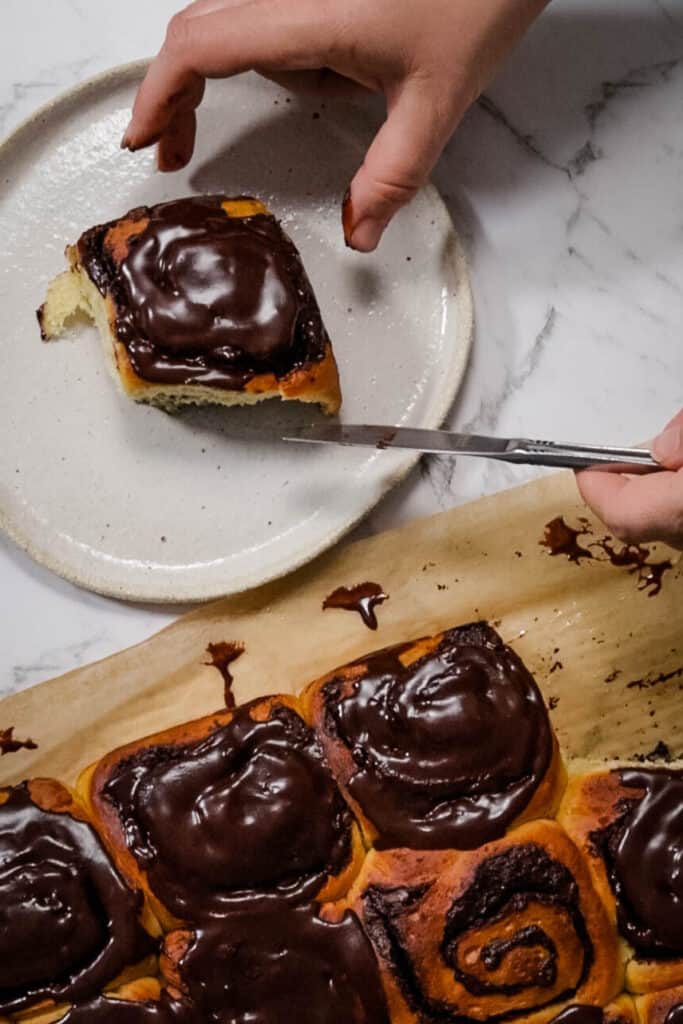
(68, 922)
(643, 851)
(205, 298)
(513, 942)
(257, 808)
(447, 751)
(284, 965)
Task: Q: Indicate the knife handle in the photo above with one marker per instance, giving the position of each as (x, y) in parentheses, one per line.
(580, 456)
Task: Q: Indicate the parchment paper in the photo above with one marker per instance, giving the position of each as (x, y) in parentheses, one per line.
(482, 560)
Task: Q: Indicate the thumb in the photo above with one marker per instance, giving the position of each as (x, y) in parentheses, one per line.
(400, 159)
(668, 447)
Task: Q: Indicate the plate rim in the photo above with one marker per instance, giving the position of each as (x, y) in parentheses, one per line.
(183, 594)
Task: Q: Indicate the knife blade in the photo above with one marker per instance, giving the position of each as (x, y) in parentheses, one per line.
(444, 442)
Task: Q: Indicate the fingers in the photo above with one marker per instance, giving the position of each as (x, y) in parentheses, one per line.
(399, 161)
(219, 39)
(177, 142)
(634, 509)
(668, 447)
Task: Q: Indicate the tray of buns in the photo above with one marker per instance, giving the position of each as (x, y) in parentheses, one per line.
(271, 812)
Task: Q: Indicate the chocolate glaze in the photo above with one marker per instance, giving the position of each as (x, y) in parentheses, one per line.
(9, 744)
(68, 922)
(654, 679)
(203, 298)
(105, 1010)
(503, 885)
(580, 1013)
(643, 850)
(675, 1015)
(222, 655)
(362, 598)
(281, 966)
(255, 804)
(449, 751)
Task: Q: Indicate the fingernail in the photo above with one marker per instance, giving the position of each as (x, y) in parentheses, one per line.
(347, 216)
(125, 141)
(668, 447)
(366, 234)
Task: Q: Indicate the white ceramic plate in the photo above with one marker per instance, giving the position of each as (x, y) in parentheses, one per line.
(133, 503)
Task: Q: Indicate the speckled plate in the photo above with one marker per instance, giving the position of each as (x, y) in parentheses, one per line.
(133, 503)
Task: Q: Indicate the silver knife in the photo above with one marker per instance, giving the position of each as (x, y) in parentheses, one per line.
(443, 442)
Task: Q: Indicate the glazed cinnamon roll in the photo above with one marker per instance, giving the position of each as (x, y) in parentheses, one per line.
(277, 965)
(661, 1007)
(513, 930)
(69, 923)
(441, 743)
(628, 823)
(250, 795)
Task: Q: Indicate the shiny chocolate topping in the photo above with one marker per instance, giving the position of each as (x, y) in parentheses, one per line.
(68, 922)
(643, 850)
(281, 966)
(105, 1010)
(362, 598)
(448, 751)
(675, 1015)
(255, 804)
(488, 942)
(205, 298)
(580, 1013)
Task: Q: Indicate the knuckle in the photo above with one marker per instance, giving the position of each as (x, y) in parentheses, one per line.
(178, 33)
(394, 192)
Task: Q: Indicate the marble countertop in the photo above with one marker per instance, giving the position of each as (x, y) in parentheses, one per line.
(566, 182)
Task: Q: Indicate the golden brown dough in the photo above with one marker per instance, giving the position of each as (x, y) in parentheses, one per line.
(627, 824)
(441, 743)
(191, 314)
(514, 929)
(251, 794)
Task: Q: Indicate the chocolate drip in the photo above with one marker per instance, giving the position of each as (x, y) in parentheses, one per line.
(362, 598)
(643, 850)
(9, 744)
(449, 750)
(255, 804)
(580, 1013)
(222, 655)
(281, 966)
(503, 886)
(68, 922)
(203, 298)
(105, 1010)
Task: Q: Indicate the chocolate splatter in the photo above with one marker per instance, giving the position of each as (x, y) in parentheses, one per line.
(222, 655)
(654, 680)
(561, 539)
(555, 666)
(553, 702)
(361, 598)
(10, 745)
(660, 752)
(614, 674)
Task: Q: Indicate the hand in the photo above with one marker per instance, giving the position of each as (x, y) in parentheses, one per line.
(430, 58)
(642, 508)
